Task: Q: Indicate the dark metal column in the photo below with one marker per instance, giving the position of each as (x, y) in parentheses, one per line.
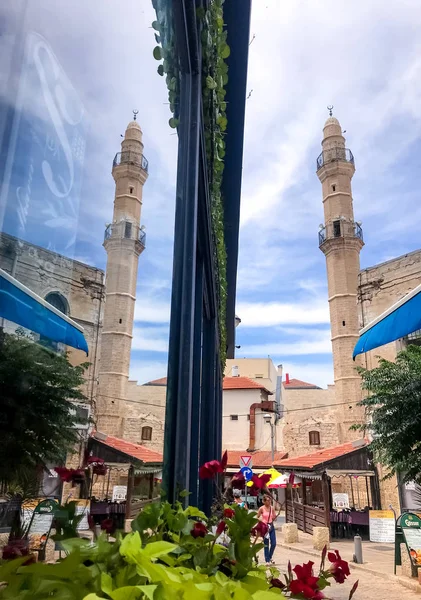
(177, 444)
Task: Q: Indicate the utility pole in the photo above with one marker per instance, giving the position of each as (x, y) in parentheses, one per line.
(268, 419)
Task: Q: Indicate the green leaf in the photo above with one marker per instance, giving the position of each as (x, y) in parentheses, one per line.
(131, 592)
(157, 53)
(155, 25)
(161, 70)
(155, 549)
(173, 123)
(193, 511)
(210, 83)
(106, 583)
(157, 38)
(268, 595)
(184, 494)
(225, 51)
(130, 547)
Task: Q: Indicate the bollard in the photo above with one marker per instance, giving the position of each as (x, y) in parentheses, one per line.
(358, 550)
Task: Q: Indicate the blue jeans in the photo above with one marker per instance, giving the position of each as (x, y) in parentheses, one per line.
(270, 544)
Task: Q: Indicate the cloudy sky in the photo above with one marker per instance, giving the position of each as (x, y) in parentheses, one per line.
(364, 58)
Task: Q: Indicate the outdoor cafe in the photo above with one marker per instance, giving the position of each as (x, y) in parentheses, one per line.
(332, 488)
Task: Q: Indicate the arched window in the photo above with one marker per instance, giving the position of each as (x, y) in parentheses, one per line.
(146, 434)
(314, 438)
(58, 301)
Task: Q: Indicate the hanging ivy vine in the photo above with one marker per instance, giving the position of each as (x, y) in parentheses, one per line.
(214, 77)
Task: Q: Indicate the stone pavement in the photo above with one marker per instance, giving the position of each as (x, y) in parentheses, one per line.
(375, 576)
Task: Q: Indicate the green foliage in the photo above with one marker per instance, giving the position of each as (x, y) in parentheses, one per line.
(66, 521)
(163, 559)
(215, 77)
(160, 559)
(35, 421)
(393, 407)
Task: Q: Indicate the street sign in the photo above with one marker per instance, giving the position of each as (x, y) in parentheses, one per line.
(247, 472)
(245, 461)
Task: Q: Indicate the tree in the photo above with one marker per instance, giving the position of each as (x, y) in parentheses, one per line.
(393, 408)
(36, 425)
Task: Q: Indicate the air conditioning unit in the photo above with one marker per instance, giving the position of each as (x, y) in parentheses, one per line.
(82, 413)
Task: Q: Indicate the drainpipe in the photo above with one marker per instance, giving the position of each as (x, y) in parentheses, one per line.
(264, 405)
(278, 394)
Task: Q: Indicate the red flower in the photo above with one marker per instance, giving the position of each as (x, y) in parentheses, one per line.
(199, 530)
(238, 482)
(260, 529)
(64, 473)
(298, 587)
(353, 590)
(108, 526)
(211, 468)
(99, 469)
(94, 460)
(291, 478)
(277, 583)
(221, 528)
(339, 569)
(229, 513)
(261, 481)
(304, 574)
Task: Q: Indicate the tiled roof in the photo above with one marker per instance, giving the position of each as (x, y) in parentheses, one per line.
(260, 458)
(162, 381)
(309, 461)
(135, 450)
(242, 383)
(299, 385)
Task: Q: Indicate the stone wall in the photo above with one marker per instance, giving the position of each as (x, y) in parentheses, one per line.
(145, 406)
(81, 287)
(308, 410)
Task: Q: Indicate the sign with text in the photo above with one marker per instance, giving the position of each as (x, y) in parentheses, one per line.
(340, 500)
(41, 523)
(246, 461)
(411, 528)
(83, 507)
(119, 493)
(382, 526)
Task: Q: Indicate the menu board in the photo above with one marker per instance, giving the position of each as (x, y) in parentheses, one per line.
(411, 528)
(83, 508)
(340, 500)
(119, 492)
(41, 523)
(382, 526)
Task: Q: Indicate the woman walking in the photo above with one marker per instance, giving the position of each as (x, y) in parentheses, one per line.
(267, 515)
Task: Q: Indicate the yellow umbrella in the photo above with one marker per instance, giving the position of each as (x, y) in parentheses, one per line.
(274, 474)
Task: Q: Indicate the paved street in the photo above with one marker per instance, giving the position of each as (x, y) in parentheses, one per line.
(370, 586)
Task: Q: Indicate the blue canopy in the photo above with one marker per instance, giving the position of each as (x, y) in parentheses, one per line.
(21, 306)
(400, 320)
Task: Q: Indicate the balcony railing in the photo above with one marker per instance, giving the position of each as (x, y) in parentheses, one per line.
(334, 154)
(340, 229)
(126, 230)
(128, 157)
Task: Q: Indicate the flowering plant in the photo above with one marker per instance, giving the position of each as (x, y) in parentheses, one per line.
(174, 552)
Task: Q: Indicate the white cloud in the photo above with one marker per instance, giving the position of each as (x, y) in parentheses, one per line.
(261, 314)
(151, 310)
(309, 342)
(152, 339)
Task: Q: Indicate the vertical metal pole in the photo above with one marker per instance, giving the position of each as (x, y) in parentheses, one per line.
(207, 424)
(177, 441)
(195, 425)
(272, 426)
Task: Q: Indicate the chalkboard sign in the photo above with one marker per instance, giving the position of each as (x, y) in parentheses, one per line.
(41, 523)
(411, 528)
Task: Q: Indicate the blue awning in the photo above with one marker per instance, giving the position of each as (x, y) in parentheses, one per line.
(400, 320)
(23, 307)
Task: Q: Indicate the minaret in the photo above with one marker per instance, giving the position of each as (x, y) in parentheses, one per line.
(341, 240)
(124, 241)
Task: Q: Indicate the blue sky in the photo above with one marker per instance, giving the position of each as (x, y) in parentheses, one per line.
(363, 59)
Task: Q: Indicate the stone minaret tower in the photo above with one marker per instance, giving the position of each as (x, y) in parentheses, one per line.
(124, 241)
(341, 240)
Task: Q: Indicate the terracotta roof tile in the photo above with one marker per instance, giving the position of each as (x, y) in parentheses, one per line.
(298, 384)
(135, 450)
(242, 383)
(261, 459)
(308, 461)
(161, 381)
